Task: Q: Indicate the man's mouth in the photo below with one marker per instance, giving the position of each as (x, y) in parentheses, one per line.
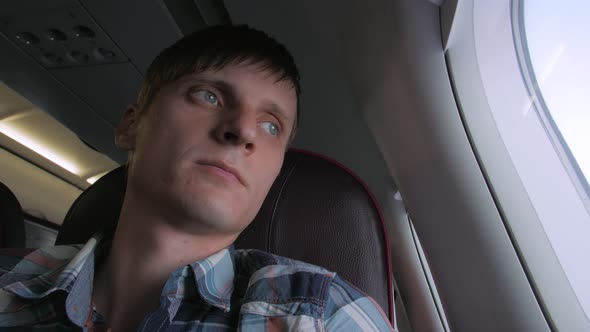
(228, 172)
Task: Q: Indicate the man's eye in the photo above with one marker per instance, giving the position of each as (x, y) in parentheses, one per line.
(207, 96)
(271, 128)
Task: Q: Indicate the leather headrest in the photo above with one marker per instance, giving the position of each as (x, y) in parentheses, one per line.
(12, 223)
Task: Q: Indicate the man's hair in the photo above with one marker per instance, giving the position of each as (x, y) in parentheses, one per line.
(213, 48)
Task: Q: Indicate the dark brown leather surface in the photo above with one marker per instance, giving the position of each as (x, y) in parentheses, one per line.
(315, 212)
(319, 213)
(98, 207)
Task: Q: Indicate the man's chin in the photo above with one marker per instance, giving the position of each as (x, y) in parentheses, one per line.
(211, 220)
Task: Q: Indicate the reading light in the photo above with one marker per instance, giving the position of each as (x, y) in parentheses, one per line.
(38, 147)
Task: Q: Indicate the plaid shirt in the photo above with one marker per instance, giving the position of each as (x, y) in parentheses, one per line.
(50, 290)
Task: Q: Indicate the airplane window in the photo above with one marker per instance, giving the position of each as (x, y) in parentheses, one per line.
(556, 63)
(553, 58)
(520, 72)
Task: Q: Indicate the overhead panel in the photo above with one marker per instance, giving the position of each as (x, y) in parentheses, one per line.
(63, 37)
(213, 12)
(61, 34)
(186, 15)
(142, 28)
(109, 89)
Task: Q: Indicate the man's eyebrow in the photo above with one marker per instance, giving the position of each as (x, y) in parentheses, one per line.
(220, 84)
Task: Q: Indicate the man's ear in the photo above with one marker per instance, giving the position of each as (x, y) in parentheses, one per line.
(126, 132)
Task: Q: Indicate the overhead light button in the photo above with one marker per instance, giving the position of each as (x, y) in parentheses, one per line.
(55, 35)
(102, 54)
(51, 59)
(81, 31)
(78, 57)
(28, 38)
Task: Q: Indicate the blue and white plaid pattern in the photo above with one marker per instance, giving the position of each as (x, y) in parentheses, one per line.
(248, 290)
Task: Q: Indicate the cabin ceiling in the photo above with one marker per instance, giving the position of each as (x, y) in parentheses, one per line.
(83, 61)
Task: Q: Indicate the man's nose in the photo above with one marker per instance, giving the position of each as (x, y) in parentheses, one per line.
(238, 127)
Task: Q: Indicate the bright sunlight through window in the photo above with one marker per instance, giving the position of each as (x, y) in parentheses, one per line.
(555, 64)
(558, 44)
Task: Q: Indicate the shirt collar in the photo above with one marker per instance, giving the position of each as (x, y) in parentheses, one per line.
(213, 277)
(63, 277)
(75, 278)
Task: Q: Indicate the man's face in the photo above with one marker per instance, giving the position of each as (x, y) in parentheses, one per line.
(209, 146)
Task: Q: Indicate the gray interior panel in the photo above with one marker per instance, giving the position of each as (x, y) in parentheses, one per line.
(141, 28)
(108, 89)
(400, 72)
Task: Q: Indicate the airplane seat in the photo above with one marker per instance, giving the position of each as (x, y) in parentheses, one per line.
(317, 211)
(12, 221)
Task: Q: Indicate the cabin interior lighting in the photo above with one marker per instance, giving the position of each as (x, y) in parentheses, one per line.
(93, 179)
(39, 148)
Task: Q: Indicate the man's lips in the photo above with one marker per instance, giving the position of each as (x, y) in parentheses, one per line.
(224, 170)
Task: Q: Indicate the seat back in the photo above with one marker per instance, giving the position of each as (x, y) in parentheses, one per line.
(12, 221)
(317, 211)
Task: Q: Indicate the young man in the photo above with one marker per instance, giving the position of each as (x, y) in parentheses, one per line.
(206, 140)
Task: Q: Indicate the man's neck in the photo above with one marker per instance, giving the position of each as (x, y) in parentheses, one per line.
(145, 250)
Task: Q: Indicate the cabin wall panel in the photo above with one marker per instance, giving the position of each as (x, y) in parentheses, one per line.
(398, 70)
